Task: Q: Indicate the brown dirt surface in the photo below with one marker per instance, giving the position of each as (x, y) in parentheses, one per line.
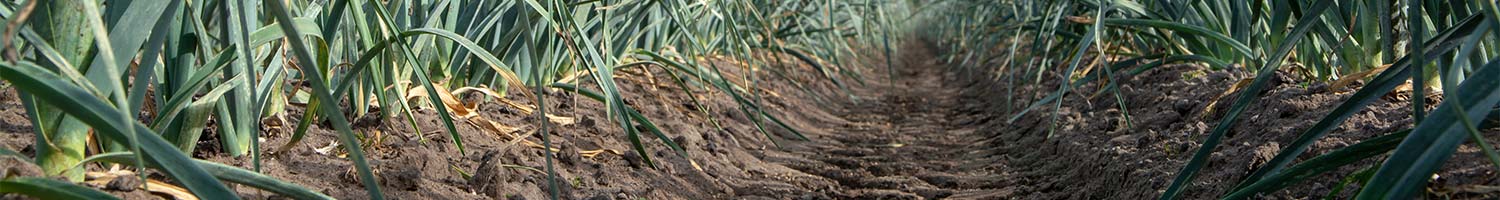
(933, 131)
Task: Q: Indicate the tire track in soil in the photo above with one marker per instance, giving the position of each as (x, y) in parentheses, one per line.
(907, 140)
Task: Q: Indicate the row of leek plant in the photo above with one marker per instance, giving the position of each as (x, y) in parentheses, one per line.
(1446, 46)
(145, 76)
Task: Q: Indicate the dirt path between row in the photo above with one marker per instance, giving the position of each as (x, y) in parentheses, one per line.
(940, 131)
(902, 139)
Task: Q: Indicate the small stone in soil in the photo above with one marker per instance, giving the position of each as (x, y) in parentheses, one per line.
(123, 183)
(567, 155)
(634, 159)
(407, 179)
(680, 140)
(18, 167)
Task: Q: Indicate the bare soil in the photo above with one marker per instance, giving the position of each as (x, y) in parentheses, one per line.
(933, 131)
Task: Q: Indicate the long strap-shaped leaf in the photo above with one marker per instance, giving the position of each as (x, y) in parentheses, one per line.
(46, 188)
(96, 113)
(733, 91)
(129, 21)
(1062, 90)
(343, 86)
(424, 77)
(1195, 30)
(1317, 165)
(1247, 96)
(1434, 140)
(320, 89)
(636, 115)
(231, 174)
(1382, 84)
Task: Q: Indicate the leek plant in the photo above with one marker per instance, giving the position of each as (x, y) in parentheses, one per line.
(146, 77)
(1449, 47)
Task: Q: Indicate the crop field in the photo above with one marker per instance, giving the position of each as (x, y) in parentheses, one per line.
(778, 99)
